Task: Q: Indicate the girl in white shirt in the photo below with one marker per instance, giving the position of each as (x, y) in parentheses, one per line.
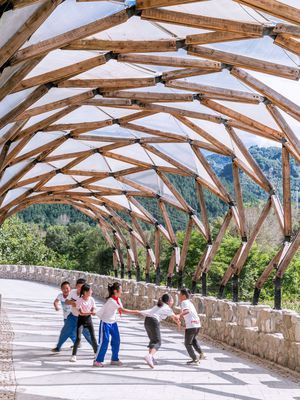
(109, 327)
(161, 311)
(192, 326)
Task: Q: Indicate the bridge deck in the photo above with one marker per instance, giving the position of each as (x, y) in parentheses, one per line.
(41, 375)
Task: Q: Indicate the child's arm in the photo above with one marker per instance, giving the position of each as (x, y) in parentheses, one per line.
(183, 312)
(176, 319)
(93, 311)
(126, 311)
(56, 305)
(71, 303)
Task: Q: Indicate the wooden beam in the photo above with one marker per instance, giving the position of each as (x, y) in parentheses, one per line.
(175, 192)
(286, 188)
(204, 22)
(61, 73)
(12, 132)
(81, 98)
(253, 164)
(285, 104)
(238, 262)
(269, 132)
(79, 127)
(27, 29)
(59, 41)
(169, 61)
(185, 246)
(157, 248)
(155, 132)
(278, 211)
(124, 46)
(150, 96)
(143, 4)
(181, 112)
(215, 37)
(19, 109)
(148, 264)
(16, 74)
(47, 121)
(273, 264)
(203, 209)
(255, 64)
(101, 102)
(286, 29)
(274, 7)
(211, 138)
(288, 42)
(211, 173)
(217, 242)
(167, 220)
(284, 263)
(106, 84)
(214, 92)
(172, 264)
(133, 247)
(283, 125)
(239, 200)
(186, 72)
(199, 269)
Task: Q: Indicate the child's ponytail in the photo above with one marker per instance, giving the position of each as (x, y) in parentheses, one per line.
(112, 288)
(84, 288)
(164, 299)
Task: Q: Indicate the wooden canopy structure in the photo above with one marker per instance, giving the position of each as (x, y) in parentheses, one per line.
(101, 100)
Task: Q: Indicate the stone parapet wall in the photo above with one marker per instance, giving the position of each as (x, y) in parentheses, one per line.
(259, 330)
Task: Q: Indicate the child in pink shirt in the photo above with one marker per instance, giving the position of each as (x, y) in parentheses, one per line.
(86, 307)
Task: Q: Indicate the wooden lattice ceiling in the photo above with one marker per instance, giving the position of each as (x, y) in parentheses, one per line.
(101, 100)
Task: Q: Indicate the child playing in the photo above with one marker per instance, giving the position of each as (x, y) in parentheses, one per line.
(70, 325)
(61, 298)
(192, 326)
(109, 327)
(86, 307)
(161, 311)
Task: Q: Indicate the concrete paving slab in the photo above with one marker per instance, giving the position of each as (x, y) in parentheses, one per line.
(41, 375)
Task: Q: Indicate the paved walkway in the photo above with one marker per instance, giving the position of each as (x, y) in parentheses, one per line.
(41, 375)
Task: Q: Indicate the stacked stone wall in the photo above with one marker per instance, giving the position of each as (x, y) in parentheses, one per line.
(270, 334)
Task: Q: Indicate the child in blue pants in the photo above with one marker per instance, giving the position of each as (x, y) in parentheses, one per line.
(70, 324)
(109, 327)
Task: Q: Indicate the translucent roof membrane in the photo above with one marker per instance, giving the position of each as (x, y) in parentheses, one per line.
(103, 108)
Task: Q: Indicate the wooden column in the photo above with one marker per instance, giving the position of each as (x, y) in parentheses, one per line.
(203, 210)
(157, 255)
(272, 266)
(239, 200)
(241, 256)
(184, 251)
(286, 187)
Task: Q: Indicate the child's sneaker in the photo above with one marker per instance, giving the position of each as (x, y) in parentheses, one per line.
(55, 350)
(73, 359)
(193, 362)
(98, 364)
(149, 360)
(119, 363)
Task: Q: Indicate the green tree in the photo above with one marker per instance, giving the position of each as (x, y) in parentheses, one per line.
(22, 243)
